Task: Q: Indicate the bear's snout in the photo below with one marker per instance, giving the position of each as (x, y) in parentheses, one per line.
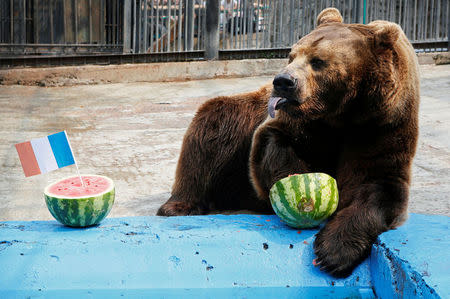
(284, 82)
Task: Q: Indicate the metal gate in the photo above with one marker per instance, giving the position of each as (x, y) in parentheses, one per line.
(60, 27)
(197, 29)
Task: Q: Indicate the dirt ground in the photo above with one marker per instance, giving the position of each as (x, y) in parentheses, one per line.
(133, 133)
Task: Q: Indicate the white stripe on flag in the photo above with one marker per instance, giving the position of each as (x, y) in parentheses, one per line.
(44, 154)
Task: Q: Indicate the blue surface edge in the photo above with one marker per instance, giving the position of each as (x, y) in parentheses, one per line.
(412, 261)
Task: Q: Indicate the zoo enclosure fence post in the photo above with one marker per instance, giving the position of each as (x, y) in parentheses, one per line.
(212, 30)
(127, 26)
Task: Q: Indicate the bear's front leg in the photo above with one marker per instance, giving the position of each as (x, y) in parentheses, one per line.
(272, 158)
(347, 238)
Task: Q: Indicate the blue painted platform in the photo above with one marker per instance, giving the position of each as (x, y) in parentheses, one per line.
(214, 256)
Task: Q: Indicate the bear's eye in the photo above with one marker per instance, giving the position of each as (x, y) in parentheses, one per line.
(317, 63)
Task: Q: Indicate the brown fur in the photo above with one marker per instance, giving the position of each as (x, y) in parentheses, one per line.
(353, 114)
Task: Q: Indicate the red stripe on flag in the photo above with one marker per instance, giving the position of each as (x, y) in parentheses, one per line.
(28, 159)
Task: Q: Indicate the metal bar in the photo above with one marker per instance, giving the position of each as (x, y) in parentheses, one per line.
(169, 7)
(35, 22)
(250, 22)
(204, 27)
(431, 13)
(139, 26)
(244, 23)
(241, 21)
(179, 19)
(51, 22)
(185, 24)
(145, 41)
(232, 33)
(158, 35)
(258, 10)
(116, 23)
(212, 30)
(438, 20)
(152, 32)
(425, 21)
(269, 24)
(414, 37)
(64, 23)
(403, 23)
(199, 29)
(243, 28)
(419, 24)
(102, 22)
(274, 22)
(113, 22)
(11, 17)
(280, 32)
(190, 27)
(448, 26)
(24, 22)
(127, 28)
(90, 21)
(76, 20)
(223, 21)
(135, 48)
(236, 24)
(291, 22)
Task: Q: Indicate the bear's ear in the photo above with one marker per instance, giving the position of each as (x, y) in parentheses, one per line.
(385, 33)
(329, 15)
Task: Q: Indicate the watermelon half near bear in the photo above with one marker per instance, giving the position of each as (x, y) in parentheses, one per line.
(304, 200)
(75, 205)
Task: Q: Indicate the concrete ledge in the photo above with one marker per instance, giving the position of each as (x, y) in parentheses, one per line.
(146, 72)
(213, 256)
(151, 72)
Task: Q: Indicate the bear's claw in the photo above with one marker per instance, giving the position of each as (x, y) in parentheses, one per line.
(338, 255)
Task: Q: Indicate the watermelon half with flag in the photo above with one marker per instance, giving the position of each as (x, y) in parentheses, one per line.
(304, 200)
(77, 201)
(76, 205)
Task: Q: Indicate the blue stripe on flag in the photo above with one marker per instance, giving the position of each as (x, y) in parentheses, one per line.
(61, 149)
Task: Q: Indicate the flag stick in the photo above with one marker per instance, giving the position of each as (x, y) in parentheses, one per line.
(76, 165)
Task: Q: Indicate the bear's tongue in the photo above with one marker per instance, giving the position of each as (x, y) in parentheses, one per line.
(273, 102)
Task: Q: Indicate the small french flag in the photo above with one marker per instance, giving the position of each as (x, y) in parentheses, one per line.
(45, 154)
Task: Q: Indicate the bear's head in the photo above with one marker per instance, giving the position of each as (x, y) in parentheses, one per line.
(338, 66)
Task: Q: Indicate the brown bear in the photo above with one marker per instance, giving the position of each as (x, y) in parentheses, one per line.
(346, 104)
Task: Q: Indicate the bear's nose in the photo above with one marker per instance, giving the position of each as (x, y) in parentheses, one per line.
(284, 82)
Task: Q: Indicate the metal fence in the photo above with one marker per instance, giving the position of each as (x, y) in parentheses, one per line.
(73, 27)
(61, 27)
(168, 26)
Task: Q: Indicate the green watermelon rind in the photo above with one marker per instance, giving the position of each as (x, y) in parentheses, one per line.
(80, 211)
(286, 195)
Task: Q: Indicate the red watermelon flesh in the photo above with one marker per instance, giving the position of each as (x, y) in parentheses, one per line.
(71, 187)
